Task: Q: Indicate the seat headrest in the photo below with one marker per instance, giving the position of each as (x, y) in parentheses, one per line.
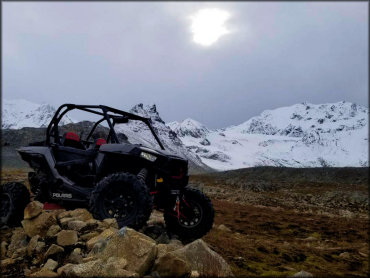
(100, 141)
(72, 136)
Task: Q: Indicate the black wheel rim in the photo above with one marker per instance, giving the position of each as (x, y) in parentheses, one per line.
(191, 214)
(6, 204)
(120, 204)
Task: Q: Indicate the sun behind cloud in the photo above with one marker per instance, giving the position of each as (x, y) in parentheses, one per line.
(208, 25)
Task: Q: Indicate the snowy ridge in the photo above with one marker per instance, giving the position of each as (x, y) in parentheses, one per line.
(301, 135)
(20, 113)
(296, 119)
(138, 133)
(189, 127)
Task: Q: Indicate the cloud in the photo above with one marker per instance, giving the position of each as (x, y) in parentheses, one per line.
(123, 53)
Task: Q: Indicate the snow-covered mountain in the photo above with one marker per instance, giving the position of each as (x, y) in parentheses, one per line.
(301, 135)
(138, 132)
(20, 113)
(189, 127)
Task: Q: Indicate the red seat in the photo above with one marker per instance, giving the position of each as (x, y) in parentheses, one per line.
(71, 139)
(100, 141)
(72, 136)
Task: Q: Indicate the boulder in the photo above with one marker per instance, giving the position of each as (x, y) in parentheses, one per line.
(111, 268)
(98, 247)
(7, 262)
(64, 221)
(155, 218)
(53, 249)
(33, 209)
(40, 246)
(104, 235)
(53, 230)
(222, 227)
(310, 239)
(76, 225)
(40, 224)
(93, 224)
(138, 249)
(67, 237)
(163, 249)
(78, 214)
(50, 264)
(110, 222)
(204, 260)
(171, 265)
(20, 253)
(88, 236)
(345, 255)
(18, 241)
(302, 273)
(75, 257)
(4, 248)
(32, 245)
(44, 272)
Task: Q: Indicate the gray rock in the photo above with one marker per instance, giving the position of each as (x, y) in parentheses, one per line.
(302, 273)
(53, 249)
(67, 237)
(33, 209)
(40, 224)
(222, 227)
(18, 241)
(171, 265)
(53, 230)
(204, 260)
(76, 225)
(138, 249)
(50, 264)
(32, 245)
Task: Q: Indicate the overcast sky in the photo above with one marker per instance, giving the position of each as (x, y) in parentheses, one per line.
(124, 53)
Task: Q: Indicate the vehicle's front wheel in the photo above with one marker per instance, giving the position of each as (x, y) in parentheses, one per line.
(195, 215)
(14, 198)
(124, 197)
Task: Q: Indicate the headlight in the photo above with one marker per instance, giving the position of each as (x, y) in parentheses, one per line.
(148, 156)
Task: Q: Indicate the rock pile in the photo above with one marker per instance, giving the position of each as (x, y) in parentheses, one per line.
(73, 243)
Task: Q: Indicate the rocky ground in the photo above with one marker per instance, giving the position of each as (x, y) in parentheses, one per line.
(276, 222)
(72, 243)
(266, 224)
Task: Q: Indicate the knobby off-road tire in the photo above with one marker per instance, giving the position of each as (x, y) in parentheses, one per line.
(124, 197)
(14, 199)
(200, 221)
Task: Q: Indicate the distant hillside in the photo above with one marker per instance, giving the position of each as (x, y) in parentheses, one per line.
(267, 178)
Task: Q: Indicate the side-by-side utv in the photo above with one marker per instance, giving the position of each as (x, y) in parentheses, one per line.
(109, 177)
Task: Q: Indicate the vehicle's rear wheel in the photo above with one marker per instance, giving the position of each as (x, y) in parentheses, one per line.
(124, 197)
(195, 217)
(14, 198)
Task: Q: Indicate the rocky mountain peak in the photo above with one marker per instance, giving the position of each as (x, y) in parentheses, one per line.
(189, 127)
(147, 111)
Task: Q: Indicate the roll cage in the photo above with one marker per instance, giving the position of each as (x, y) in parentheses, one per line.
(110, 115)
